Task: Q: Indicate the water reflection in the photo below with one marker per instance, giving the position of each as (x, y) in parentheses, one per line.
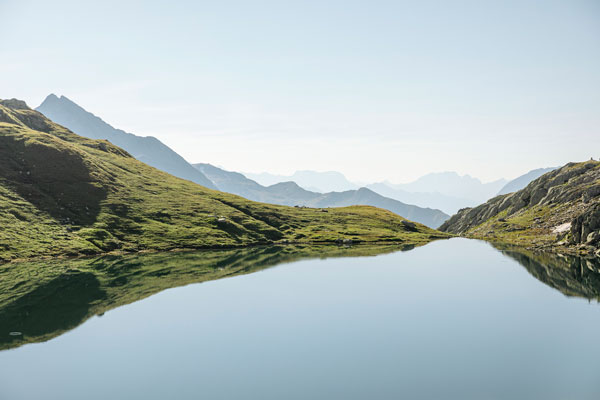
(571, 275)
(39, 301)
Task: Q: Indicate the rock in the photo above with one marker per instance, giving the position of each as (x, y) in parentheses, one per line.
(562, 228)
(410, 226)
(15, 104)
(592, 238)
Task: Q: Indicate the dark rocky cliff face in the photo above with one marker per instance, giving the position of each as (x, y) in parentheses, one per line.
(562, 206)
(585, 227)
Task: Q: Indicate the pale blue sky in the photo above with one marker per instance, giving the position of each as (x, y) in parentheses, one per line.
(374, 89)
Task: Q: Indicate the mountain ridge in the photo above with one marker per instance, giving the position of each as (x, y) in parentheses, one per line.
(451, 183)
(522, 181)
(291, 193)
(314, 181)
(147, 149)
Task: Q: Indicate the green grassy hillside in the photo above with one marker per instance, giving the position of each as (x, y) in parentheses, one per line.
(62, 194)
(560, 210)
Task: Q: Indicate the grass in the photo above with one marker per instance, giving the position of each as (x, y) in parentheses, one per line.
(523, 229)
(65, 195)
(45, 299)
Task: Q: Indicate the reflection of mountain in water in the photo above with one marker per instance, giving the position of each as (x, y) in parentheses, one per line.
(572, 276)
(43, 300)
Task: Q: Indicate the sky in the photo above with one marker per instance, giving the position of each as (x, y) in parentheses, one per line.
(378, 90)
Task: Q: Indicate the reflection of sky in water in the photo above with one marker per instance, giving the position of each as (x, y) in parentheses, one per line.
(453, 319)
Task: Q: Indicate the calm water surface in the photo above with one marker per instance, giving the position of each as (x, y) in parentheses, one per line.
(455, 319)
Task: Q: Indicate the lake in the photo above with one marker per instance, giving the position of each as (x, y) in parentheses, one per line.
(455, 319)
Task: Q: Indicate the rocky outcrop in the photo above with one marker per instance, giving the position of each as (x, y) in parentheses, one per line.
(568, 195)
(585, 228)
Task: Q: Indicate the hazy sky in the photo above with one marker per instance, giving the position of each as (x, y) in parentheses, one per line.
(374, 89)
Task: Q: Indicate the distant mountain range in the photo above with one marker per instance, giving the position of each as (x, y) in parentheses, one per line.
(524, 180)
(290, 193)
(453, 185)
(146, 149)
(322, 182)
(448, 204)
(446, 191)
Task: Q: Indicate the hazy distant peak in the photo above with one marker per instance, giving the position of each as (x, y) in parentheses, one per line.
(309, 172)
(287, 184)
(522, 181)
(50, 98)
(322, 182)
(53, 100)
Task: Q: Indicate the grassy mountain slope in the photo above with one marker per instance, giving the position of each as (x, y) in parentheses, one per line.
(63, 194)
(560, 209)
(149, 150)
(290, 193)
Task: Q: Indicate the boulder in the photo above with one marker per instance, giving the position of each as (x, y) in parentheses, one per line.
(409, 226)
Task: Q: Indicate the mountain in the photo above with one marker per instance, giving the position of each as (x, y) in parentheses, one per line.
(559, 210)
(523, 180)
(453, 185)
(148, 150)
(322, 182)
(445, 191)
(448, 204)
(62, 194)
(290, 193)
